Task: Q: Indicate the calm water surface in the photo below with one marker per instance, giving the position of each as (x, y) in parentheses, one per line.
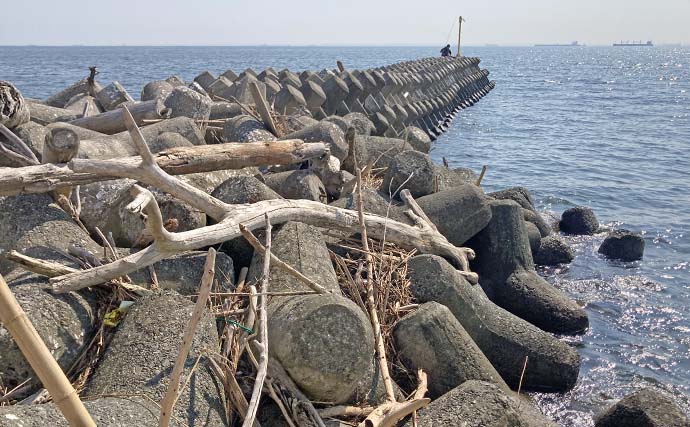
(604, 127)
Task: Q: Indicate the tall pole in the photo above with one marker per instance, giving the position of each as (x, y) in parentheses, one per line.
(459, 35)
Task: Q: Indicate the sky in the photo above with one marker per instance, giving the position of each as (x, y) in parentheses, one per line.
(343, 22)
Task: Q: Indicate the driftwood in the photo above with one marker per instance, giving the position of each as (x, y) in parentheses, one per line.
(111, 122)
(174, 161)
(13, 109)
(420, 236)
(14, 319)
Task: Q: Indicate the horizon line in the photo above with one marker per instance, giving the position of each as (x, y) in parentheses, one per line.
(498, 44)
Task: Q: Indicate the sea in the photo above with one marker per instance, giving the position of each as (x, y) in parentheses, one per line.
(604, 127)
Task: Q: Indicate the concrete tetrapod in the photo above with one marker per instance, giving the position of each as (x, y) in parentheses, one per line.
(323, 341)
(433, 340)
(142, 353)
(506, 273)
(504, 338)
(480, 404)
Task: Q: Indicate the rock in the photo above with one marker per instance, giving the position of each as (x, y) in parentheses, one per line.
(338, 121)
(459, 213)
(299, 184)
(113, 95)
(504, 338)
(157, 89)
(410, 170)
(323, 341)
(108, 411)
(325, 132)
(480, 404)
(244, 128)
(186, 102)
(432, 339)
(623, 245)
(417, 138)
(644, 408)
(241, 190)
(175, 81)
(506, 273)
(579, 220)
(142, 354)
(65, 322)
(182, 273)
(33, 225)
(552, 250)
(522, 196)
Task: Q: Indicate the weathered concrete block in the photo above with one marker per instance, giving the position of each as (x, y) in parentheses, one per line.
(506, 271)
(323, 341)
(33, 225)
(314, 96)
(45, 114)
(113, 95)
(449, 178)
(299, 184)
(185, 102)
(225, 110)
(60, 99)
(142, 354)
(78, 103)
(459, 212)
(504, 338)
(241, 190)
(552, 250)
(65, 322)
(230, 75)
(182, 273)
(184, 126)
(336, 90)
(157, 89)
(363, 126)
(480, 404)
(167, 140)
(325, 132)
(644, 408)
(109, 411)
(433, 340)
(245, 128)
(205, 79)
(410, 170)
(221, 87)
(522, 196)
(417, 138)
(176, 81)
(289, 100)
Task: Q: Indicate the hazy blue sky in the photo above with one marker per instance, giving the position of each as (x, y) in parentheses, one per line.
(345, 22)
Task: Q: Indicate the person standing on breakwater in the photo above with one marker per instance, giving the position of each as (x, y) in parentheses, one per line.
(446, 51)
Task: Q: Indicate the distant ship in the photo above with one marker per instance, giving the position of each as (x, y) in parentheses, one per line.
(649, 43)
(552, 45)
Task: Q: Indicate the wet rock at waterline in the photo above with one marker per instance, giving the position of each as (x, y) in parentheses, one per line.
(579, 220)
(553, 250)
(623, 245)
(644, 408)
